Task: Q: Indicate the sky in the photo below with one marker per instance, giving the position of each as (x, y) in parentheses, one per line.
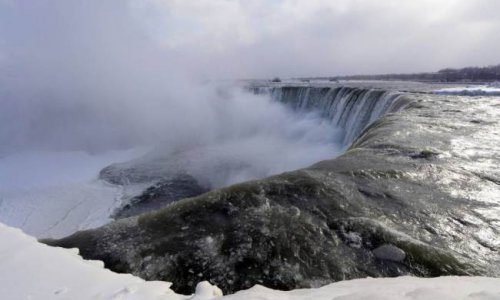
(89, 73)
(323, 37)
(228, 39)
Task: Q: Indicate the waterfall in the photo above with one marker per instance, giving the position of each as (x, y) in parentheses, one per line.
(351, 109)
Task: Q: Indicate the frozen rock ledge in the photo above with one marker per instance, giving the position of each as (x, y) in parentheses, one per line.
(31, 270)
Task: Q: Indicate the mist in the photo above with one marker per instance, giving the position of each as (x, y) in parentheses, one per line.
(98, 76)
(87, 76)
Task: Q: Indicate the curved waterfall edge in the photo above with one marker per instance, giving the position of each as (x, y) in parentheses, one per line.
(349, 108)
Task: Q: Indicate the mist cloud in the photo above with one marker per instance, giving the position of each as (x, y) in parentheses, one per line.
(97, 75)
(93, 76)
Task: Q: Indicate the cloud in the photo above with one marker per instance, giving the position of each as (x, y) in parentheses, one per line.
(319, 37)
(236, 38)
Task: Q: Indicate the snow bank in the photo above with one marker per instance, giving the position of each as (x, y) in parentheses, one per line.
(31, 270)
(399, 288)
(477, 90)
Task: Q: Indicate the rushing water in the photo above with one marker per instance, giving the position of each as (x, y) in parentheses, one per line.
(414, 194)
(326, 120)
(351, 109)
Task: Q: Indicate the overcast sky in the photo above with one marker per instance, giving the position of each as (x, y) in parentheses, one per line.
(106, 74)
(242, 38)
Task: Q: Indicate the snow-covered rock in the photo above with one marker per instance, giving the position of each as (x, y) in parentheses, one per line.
(31, 270)
(205, 291)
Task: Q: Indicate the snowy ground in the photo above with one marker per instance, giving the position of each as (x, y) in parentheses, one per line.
(399, 288)
(53, 194)
(31, 270)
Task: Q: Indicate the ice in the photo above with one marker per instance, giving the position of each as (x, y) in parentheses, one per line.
(53, 194)
(474, 90)
(495, 84)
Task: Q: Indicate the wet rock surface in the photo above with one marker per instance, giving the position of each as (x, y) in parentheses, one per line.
(389, 252)
(417, 193)
(160, 195)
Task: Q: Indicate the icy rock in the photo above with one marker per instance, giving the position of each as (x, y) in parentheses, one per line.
(389, 252)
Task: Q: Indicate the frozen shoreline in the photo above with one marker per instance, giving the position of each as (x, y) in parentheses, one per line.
(53, 194)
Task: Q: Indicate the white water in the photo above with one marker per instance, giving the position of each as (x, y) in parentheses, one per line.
(349, 109)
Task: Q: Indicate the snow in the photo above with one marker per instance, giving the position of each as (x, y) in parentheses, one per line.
(475, 90)
(399, 288)
(31, 270)
(204, 290)
(53, 194)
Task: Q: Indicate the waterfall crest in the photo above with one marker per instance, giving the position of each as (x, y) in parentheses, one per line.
(351, 109)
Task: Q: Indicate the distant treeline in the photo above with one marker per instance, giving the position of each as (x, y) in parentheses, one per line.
(470, 74)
